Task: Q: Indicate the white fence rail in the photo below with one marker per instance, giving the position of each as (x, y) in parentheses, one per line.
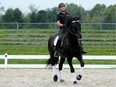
(89, 57)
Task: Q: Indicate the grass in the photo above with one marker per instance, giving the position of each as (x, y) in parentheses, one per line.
(43, 50)
(34, 42)
(23, 50)
(101, 50)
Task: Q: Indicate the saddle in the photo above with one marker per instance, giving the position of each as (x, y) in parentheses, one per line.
(61, 39)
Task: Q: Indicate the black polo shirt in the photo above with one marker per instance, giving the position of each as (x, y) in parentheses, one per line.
(62, 18)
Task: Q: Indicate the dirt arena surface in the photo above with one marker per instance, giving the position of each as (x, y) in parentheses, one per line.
(43, 78)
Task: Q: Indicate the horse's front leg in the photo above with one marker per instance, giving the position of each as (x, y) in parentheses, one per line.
(81, 67)
(72, 70)
(62, 60)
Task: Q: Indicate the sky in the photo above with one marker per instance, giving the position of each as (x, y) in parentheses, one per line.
(44, 4)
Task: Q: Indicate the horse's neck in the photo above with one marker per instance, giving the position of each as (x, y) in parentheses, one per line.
(73, 40)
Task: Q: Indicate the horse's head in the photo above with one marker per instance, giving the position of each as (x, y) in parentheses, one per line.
(73, 25)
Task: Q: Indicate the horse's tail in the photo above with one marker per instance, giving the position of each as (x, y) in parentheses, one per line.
(49, 62)
(52, 60)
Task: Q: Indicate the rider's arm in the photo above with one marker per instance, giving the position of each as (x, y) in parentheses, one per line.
(59, 24)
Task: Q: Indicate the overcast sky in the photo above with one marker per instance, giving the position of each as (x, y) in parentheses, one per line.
(44, 4)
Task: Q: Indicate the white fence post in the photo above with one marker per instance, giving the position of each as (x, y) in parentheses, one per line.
(6, 60)
(17, 26)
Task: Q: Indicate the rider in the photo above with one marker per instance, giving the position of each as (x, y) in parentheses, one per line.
(61, 18)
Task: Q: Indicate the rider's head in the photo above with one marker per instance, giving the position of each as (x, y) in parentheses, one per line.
(62, 7)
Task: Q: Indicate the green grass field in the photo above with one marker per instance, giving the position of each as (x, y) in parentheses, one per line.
(34, 42)
(43, 50)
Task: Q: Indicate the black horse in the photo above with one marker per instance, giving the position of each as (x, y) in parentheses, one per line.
(70, 47)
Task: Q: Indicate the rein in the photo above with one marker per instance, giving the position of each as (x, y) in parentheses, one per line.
(72, 32)
(63, 39)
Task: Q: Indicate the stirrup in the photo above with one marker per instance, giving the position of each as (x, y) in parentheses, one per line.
(55, 54)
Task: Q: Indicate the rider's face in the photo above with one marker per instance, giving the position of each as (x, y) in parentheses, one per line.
(62, 9)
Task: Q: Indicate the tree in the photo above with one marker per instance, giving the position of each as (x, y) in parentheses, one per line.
(1, 10)
(110, 13)
(76, 10)
(18, 17)
(9, 15)
(97, 13)
(26, 18)
(32, 14)
(72, 9)
(42, 16)
(52, 14)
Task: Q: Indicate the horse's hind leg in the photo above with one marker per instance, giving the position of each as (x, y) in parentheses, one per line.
(55, 78)
(72, 70)
(62, 60)
(54, 61)
(81, 67)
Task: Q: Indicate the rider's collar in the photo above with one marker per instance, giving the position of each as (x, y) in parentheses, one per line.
(63, 12)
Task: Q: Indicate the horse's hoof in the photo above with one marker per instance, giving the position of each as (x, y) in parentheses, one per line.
(55, 78)
(62, 80)
(79, 77)
(74, 82)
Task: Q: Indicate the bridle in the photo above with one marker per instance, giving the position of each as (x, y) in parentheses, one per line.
(69, 30)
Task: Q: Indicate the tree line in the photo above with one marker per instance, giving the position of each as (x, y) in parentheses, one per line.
(100, 13)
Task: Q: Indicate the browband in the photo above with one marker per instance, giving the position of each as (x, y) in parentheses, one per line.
(75, 21)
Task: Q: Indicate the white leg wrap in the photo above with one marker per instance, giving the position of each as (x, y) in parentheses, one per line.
(73, 77)
(81, 70)
(60, 75)
(54, 70)
(56, 40)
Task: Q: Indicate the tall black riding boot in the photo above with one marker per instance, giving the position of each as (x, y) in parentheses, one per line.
(82, 50)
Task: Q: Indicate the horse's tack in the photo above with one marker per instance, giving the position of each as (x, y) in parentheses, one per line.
(63, 39)
(75, 21)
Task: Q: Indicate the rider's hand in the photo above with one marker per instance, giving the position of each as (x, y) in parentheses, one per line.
(64, 26)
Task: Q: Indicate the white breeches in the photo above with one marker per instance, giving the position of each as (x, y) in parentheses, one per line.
(56, 40)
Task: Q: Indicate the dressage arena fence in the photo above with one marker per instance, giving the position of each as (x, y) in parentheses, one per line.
(89, 57)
